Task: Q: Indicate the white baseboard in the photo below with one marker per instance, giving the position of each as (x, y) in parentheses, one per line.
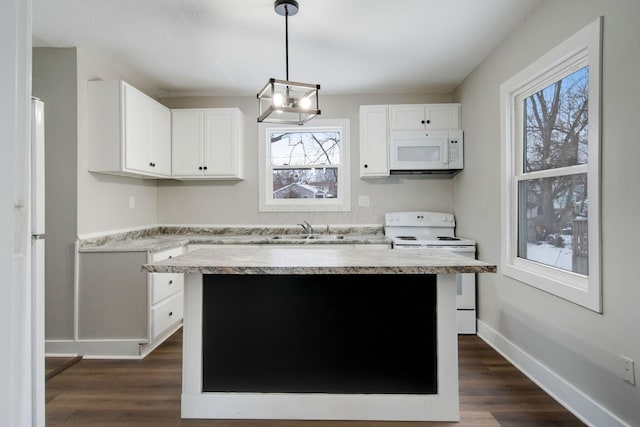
(573, 399)
(108, 349)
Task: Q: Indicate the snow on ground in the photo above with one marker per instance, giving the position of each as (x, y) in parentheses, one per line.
(546, 253)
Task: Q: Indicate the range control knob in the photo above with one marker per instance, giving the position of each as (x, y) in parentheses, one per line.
(393, 218)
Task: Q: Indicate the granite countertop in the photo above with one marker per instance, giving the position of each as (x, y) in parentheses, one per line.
(163, 238)
(270, 259)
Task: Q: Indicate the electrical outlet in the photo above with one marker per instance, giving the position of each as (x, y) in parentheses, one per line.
(628, 373)
(363, 200)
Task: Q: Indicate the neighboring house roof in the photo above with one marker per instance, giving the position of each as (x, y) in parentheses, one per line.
(304, 187)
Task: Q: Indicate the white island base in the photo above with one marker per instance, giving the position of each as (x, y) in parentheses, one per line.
(441, 406)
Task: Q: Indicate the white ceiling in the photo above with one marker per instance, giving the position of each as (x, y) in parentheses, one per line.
(232, 47)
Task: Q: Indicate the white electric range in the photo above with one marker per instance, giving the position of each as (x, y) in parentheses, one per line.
(422, 229)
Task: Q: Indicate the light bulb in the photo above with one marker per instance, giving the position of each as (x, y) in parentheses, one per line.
(278, 100)
(305, 102)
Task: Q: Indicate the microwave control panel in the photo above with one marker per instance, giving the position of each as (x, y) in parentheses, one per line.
(456, 142)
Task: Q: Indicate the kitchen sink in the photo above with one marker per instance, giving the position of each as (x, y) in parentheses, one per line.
(308, 237)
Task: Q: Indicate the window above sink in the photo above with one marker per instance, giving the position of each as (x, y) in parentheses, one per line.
(304, 168)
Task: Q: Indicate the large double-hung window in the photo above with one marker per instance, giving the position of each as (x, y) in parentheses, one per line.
(551, 146)
(304, 168)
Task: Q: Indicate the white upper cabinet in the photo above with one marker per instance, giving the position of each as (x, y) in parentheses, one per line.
(424, 116)
(379, 122)
(129, 133)
(207, 143)
(374, 132)
(161, 139)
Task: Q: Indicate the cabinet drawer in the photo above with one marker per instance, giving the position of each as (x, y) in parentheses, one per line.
(164, 285)
(166, 314)
(169, 253)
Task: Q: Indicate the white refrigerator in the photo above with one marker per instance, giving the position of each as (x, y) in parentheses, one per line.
(37, 186)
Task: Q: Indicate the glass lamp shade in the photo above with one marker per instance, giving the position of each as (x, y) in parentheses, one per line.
(286, 102)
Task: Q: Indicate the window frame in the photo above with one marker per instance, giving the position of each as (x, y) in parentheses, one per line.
(581, 49)
(341, 203)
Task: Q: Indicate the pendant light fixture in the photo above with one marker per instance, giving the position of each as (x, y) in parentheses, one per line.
(284, 101)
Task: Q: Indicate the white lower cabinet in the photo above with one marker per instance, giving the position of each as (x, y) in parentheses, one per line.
(164, 285)
(123, 311)
(165, 314)
(166, 291)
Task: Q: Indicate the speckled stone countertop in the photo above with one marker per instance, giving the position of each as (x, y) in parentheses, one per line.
(162, 238)
(270, 259)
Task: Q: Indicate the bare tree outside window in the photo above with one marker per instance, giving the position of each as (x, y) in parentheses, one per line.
(305, 164)
(552, 204)
(550, 117)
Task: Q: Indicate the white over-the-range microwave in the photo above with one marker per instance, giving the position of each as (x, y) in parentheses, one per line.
(424, 152)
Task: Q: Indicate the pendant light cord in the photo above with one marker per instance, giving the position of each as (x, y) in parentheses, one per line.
(286, 38)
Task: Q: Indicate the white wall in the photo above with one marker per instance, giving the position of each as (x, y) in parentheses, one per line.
(577, 345)
(103, 200)
(229, 202)
(54, 82)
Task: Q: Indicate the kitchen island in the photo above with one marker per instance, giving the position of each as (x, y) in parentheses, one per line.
(321, 333)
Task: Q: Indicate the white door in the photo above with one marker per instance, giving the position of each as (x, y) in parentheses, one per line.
(17, 406)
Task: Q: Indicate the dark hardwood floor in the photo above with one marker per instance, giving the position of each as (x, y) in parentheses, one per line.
(146, 392)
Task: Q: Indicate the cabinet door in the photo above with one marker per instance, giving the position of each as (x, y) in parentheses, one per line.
(220, 143)
(160, 139)
(407, 117)
(166, 314)
(128, 132)
(164, 285)
(187, 135)
(137, 131)
(442, 116)
(374, 147)
(424, 116)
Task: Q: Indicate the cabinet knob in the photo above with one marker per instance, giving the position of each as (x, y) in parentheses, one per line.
(422, 121)
(366, 166)
(170, 313)
(171, 282)
(199, 168)
(428, 121)
(205, 168)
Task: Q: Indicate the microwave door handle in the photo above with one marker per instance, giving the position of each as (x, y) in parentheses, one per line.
(445, 151)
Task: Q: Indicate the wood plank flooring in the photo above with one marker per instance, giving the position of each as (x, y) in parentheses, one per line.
(140, 393)
(55, 365)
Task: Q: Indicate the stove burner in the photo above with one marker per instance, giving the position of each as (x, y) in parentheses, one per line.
(447, 238)
(406, 238)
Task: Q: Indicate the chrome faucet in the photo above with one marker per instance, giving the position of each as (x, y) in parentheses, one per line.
(307, 227)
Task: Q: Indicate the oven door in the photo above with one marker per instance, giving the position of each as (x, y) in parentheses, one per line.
(465, 283)
(466, 286)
